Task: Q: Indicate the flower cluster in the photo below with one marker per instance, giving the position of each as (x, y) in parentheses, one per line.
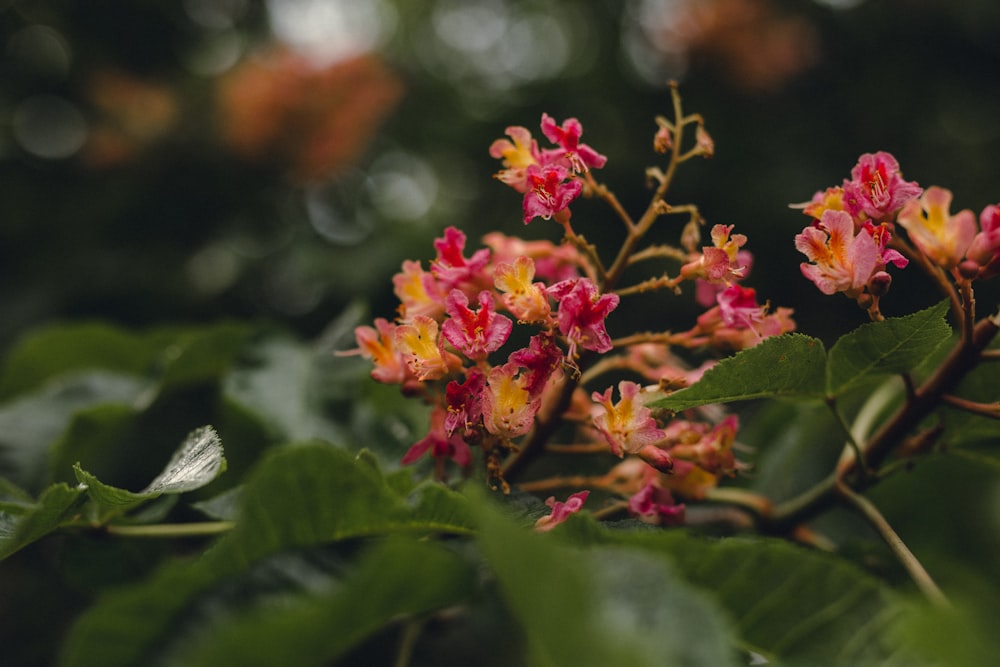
(852, 238)
(501, 342)
(549, 179)
(446, 345)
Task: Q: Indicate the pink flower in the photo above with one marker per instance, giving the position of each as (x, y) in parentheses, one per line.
(517, 157)
(552, 262)
(711, 330)
(474, 333)
(628, 425)
(581, 314)
(831, 198)
(548, 191)
(877, 188)
(452, 269)
(985, 247)
(419, 343)
(439, 443)
(465, 402)
(379, 345)
(882, 234)
(841, 261)
(712, 450)
(578, 156)
(942, 237)
(739, 308)
(655, 505)
(561, 510)
(526, 300)
(418, 292)
(719, 263)
(706, 293)
(541, 359)
(509, 408)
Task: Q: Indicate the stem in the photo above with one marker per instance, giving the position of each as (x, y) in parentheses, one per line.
(938, 276)
(913, 567)
(171, 530)
(751, 501)
(960, 361)
(650, 285)
(852, 442)
(408, 642)
(563, 482)
(545, 426)
(580, 448)
(990, 410)
(968, 307)
(653, 211)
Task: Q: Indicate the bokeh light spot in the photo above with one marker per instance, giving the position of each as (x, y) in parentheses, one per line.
(49, 127)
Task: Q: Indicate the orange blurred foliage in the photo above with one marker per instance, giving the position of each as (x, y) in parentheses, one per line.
(756, 45)
(308, 119)
(129, 114)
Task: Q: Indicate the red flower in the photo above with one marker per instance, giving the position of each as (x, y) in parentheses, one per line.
(561, 510)
(475, 333)
(582, 310)
(548, 191)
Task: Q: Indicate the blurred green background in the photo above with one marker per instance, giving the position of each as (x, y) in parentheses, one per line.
(205, 159)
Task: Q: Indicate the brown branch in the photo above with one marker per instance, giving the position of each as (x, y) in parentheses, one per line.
(962, 359)
(990, 410)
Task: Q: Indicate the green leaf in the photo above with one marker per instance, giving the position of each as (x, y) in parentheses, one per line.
(32, 425)
(58, 350)
(198, 461)
(21, 528)
(894, 345)
(180, 355)
(791, 365)
(298, 497)
(276, 386)
(600, 606)
(394, 580)
(787, 603)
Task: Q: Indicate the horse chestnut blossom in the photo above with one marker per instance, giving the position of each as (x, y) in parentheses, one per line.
(504, 343)
(877, 189)
(581, 314)
(721, 262)
(474, 333)
(423, 349)
(525, 299)
(547, 178)
(379, 346)
(840, 260)
(984, 250)
(561, 510)
(579, 157)
(509, 407)
(439, 443)
(942, 237)
(655, 504)
(627, 425)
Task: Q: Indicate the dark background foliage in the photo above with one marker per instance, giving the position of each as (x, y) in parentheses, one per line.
(162, 162)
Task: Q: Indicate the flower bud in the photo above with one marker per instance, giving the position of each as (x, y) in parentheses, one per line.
(657, 458)
(879, 283)
(704, 141)
(968, 269)
(663, 141)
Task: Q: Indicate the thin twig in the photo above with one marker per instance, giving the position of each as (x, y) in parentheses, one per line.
(990, 410)
(170, 530)
(913, 567)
